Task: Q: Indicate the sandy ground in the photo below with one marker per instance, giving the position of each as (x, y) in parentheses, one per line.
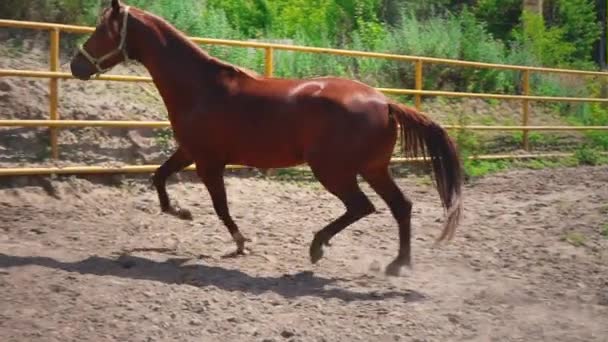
(83, 261)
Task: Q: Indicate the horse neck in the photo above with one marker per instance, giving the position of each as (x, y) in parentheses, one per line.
(181, 71)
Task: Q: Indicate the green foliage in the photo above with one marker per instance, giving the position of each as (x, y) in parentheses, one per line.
(537, 164)
(587, 156)
(456, 36)
(488, 31)
(164, 140)
(314, 24)
(62, 11)
(535, 139)
(252, 18)
(424, 9)
(297, 176)
(547, 44)
(478, 45)
(292, 64)
(502, 16)
(578, 21)
(476, 168)
(469, 145)
(436, 37)
(191, 16)
(594, 114)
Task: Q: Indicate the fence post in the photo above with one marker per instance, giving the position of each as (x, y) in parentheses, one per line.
(269, 62)
(54, 90)
(418, 97)
(526, 108)
(268, 72)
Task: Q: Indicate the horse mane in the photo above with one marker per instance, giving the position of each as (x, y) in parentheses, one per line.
(165, 26)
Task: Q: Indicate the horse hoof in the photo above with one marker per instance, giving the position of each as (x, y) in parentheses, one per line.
(181, 213)
(184, 214)
(236, 254)
(393, 269)
(316, 253)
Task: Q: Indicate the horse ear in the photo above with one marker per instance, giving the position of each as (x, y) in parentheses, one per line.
(116, 6)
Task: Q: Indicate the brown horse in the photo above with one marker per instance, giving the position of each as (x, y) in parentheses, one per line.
(222, 114)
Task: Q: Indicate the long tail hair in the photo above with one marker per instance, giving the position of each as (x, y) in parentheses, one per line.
(421, 137)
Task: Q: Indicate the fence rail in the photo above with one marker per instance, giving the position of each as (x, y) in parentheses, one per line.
(54, 75)
(164, 124)
(72, 170)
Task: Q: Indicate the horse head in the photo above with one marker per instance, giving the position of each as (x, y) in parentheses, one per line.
(107, 46)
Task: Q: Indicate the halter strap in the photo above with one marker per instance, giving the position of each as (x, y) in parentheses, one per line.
(122, 48)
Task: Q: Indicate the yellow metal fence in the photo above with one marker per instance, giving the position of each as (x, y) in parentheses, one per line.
(54, 75)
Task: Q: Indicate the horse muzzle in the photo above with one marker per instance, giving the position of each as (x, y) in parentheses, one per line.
(81, 69)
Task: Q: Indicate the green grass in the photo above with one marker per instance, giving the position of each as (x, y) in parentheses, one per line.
(473, 169)
(536, 139)
(589, 156)
(543, 163)
(488, 121)
(576, 239)
(480, 168)
(300, 176)
(604, 230)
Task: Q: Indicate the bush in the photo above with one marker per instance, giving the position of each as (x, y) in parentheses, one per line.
(593, 114)
(547, 45)
(435, 28)
(579, 24)
(587, 156)
(502, 16)
(61, 11)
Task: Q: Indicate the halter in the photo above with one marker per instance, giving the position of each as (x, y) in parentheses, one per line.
(122, 48)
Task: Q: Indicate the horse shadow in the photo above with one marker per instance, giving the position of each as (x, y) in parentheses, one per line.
(173, 271)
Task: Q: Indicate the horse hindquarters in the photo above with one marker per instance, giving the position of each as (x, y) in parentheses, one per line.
(338, 158)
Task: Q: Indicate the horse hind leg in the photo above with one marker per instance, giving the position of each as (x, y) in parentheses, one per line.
(401, 208)
(178, 161)
(344, 187)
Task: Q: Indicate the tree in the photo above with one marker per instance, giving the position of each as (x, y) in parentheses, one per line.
(534, 6)
(602, 46)
(500, 16)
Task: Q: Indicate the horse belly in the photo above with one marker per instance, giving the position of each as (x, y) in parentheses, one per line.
(267, 155)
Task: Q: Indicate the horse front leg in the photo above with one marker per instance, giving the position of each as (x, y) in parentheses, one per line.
(178, 161)
(213, 178)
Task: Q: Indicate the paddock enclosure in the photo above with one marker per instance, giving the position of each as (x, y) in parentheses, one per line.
(81, 260)
(91, 258)
(56, 72)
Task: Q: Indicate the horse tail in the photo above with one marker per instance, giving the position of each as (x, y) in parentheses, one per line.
(421, 136)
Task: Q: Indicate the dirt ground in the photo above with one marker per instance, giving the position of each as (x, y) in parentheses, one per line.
(84, 261)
